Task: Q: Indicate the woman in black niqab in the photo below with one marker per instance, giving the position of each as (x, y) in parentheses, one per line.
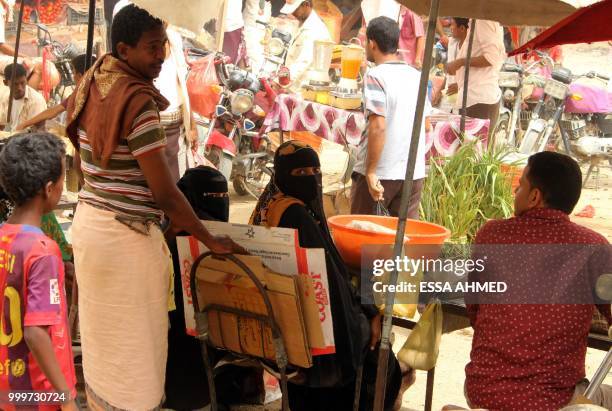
(294, 199)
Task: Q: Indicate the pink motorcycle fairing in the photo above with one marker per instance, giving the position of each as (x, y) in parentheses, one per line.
(592, 99)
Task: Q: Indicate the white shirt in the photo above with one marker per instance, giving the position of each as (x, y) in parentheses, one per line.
(233, 16)
(376, 8)
(390, 90)
(483, 85)
(300, 54)
(252, 13)
(31, 105)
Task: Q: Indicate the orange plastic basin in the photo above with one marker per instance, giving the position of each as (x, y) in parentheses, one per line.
(350, 241)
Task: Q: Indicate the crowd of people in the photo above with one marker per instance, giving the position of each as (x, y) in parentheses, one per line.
(141, 189)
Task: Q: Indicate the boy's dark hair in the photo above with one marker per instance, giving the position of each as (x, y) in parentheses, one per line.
(385, 32)
(19, 71)
(462, 22)
(79, 63)
(28, 162)
(129, 24)
(558, 177)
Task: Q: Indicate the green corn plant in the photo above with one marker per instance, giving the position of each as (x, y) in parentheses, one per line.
(466, 190)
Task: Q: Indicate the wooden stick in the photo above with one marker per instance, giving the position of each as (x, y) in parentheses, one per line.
(17, 41)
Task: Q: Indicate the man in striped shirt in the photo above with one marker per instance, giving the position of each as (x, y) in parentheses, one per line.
(120, 254)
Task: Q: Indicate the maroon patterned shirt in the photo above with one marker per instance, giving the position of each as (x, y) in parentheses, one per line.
(528, 356)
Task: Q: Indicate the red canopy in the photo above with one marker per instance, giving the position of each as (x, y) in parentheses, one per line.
(587, 25)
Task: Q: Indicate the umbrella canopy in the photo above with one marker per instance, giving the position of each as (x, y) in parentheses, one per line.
(187, 14)
(507, 13)
(587, 25)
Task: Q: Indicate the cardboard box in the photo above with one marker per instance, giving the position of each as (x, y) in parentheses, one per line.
(279, 251)
(222, 282)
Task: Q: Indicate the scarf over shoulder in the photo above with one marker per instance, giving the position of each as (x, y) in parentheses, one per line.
(105, 104)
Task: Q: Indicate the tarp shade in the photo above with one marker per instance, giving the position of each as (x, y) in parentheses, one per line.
(587, 25)
(508, 13)
(187, 14)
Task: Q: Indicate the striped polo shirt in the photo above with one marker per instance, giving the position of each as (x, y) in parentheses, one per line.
(121, 186)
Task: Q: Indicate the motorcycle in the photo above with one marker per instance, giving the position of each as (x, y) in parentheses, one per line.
(62, 56)
(512, 80)
(547, 113)
(277, 44)
(241, 154)
(589, 112)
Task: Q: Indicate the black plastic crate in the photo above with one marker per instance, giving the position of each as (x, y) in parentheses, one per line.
(77, 17)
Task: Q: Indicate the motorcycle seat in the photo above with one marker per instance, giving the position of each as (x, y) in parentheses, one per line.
(562, 74)
(512, 68)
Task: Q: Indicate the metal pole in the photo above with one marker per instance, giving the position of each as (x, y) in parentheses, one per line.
(383, 355)
(468, 60)
(17, 41)
(90, 33)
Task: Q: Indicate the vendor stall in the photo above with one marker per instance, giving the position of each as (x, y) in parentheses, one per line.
(292, 113)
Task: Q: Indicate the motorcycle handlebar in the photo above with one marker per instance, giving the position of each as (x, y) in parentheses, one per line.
(596, 74)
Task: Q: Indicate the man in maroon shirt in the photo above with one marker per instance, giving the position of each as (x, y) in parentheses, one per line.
(531, 356)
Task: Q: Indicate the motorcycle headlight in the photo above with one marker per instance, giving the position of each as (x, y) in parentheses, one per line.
(509, 95)
(241, 101)
(508, 79)
(276, 47)
(556, 89)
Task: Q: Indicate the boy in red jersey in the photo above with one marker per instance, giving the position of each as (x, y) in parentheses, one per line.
(36, 366)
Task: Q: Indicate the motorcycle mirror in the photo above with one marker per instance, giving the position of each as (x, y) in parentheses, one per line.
(220, 110)
(248, 125)
(603, 288)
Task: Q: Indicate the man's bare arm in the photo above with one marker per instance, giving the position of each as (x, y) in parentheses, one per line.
(376, 143)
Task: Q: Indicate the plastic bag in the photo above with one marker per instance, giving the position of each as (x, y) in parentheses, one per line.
(202, 86)
(380, 209)
(420, 351)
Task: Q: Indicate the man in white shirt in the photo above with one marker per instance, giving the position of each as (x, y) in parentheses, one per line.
(300, 53)
(27, 102)
(254, 33)
(488, 55)
(233, 38)
(390, 99)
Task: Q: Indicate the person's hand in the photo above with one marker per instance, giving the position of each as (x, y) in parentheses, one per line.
(192, 135)
(70, 406)
(418, 64)
(376, 189)
(452, 89)
(20, 127)
(375, 331)
(453, 66)
(222, 244)
(444, 41)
